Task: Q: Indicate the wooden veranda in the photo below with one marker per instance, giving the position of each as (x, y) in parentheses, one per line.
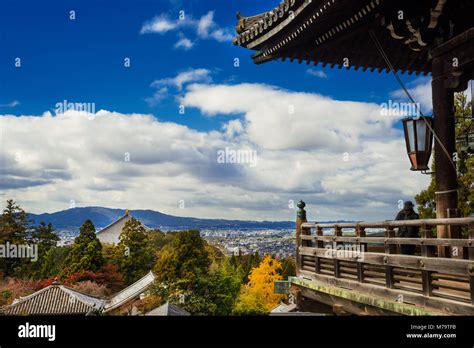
(350, 269)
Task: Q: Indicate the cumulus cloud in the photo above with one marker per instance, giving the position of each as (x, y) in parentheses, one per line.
(204, 28)
(344, 158)
(281, 120)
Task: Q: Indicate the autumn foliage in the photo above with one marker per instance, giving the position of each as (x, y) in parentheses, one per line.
(257, 296)
(107, 276)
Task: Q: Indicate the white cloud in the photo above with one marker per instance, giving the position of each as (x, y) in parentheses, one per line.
(204, 28)
(49, 160)
(184, 43)
(157, 97)
(177, 82)
(317, 73)
(207, 28)
(277, 119)
(185, 77)
(12, 104)
(161, 24)
(420, 90)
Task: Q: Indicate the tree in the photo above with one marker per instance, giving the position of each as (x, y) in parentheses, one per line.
(44, 238)
(43, 235)
(54, 261)
(464, 163)
(246, 263)
(86, 252)
(258, 297)
(136, 257)
(13, 230)
(107, 276)
(186, 258)
(288, 267)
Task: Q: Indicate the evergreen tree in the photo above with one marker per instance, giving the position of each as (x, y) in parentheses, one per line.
(86, 252)
(186, 258)
(43, 235)
(13, 230)
(53, 262)
(288, 267)
(136, 257)
(44, 238)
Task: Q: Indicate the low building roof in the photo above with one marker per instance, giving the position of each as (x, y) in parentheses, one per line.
(167, 309)
(130, 292)
(55, 299)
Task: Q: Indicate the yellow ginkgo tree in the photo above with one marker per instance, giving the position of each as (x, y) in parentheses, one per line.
(257, 296)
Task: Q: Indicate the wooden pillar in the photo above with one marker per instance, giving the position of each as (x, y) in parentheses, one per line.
(300, 219)
(337, 264)
(389, 249)
(445, 172)
(426, 251)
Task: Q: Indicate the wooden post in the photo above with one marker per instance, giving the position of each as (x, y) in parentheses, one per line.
(389, 249)
(319, 244)
(360, 232)
(471, 257)
(300, 219)
(337, 233)
(426, 251)
(455, 232)
(445, 172)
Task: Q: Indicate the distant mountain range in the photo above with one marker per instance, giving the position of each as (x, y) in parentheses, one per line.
(72, 219)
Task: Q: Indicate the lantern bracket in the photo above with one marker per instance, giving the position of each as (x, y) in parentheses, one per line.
(426, 172)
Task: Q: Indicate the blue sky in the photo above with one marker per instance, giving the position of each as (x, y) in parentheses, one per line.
(82, 60)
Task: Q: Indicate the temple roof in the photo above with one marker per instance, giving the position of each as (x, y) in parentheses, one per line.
(55, 299)
(337, 32)
(130, 292)
(58, 299)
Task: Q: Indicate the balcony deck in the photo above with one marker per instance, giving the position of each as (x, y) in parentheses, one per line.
(356, 272)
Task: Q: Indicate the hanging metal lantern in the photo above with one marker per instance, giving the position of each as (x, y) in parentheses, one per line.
(419, 141)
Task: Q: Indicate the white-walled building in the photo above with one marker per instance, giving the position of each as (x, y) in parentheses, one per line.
(111, 233)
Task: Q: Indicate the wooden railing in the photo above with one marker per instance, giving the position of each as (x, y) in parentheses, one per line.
(367, 253)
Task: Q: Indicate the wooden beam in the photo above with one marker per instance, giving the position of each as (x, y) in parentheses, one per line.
(396, 223)
(442, 265)
(375, 293)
